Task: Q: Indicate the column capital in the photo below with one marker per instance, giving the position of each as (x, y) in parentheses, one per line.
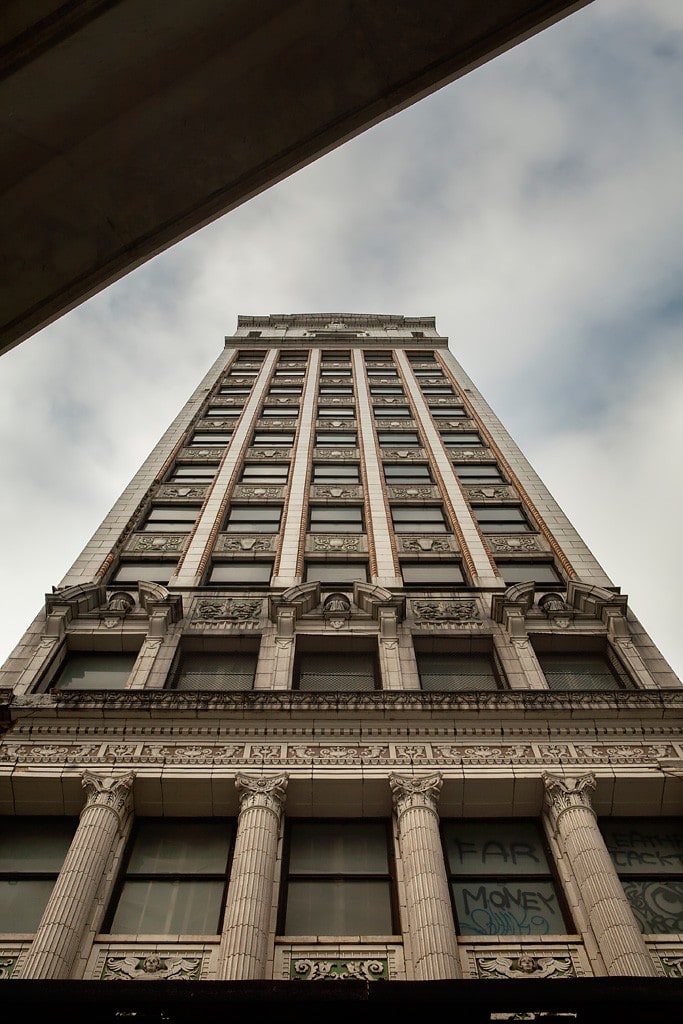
(562, 794)
(262, 791)
(408, 791)
(112, 791)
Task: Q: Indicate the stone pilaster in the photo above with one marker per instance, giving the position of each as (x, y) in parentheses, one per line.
(569, 811)
(429, 917)
(244, 942)
(104, 819)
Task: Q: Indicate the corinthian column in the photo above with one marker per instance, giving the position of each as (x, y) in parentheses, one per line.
(429, 917)
(104, 819)
(244, 942)
(612, 922)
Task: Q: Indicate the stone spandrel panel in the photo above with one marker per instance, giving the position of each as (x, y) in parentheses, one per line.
(117, 962)
(535, 960)
(340, 961)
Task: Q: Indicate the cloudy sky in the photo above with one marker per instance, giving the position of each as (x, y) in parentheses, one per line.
(535, 207)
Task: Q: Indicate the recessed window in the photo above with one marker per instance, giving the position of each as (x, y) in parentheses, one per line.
(222, 412)
(425, 574)
(434, 373)
(417, 334)
(175, 878)
(170, 519)
(472, 473)
(501, 879)
(150, 572)
(273, 438)
(418, 519)
(421, 357)
(95, 671)
(290, 373)
(253, 519)
(648, 856)
(372, 374)
(501, 519)
(404, 439)
(214, 438)
(336, 519)
(334, 373)
(578, 672)
(381, 389)
(256, 473)
(329, 473)
(338, 879)
(447, 412)
(521, 571)
(279, 411)
(392, 412)
(408, 474)
(230, 670)
(195, 474)
(336, 414)
(456, 672)
(325, 672)
(336, 389)
(437, 389)
(253, 334)
(285, 389)
(241, 574)
(32, 852)
(234, 390)
(335, 439)
(461, 439)
(336, 573)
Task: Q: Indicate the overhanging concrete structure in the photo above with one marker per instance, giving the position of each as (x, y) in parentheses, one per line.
(128, 124)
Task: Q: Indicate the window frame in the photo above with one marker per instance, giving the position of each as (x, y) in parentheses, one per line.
(27, 877)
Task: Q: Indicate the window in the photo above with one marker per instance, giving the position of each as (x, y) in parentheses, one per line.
(255, 473)
(404, 439)
(217, 438)
(463, 439)
(336, 573)
(437, 389)
(417, 334)
(418, 519)
(224, 413)
(578, 672)
(379, 389)
(455, 672)
(233, 390)
(523, 572)
(336, 414)
(335, 439)
(32, 851)
(175, 878)
(425, 574)
(407, 474)
(194, 474)
(103, 671)
(280, 411)
(338, 879)
(381, 373)
(392, 412)
(220, 671)
(501, 879)
(151, 572)
(336, 519)
(430, 373)
(272, 438)
(334, 373)
(335, 670)
(241, 574)
(253, 519)
(285, 389)
(333, 473)
(450, 412)
(648, 856)
(289, 373)
(501, 519)
(170, 519)
(471, 473)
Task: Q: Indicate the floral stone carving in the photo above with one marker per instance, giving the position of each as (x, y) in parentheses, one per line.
(230, 609)
(308, 969)
(513, 544)
(446, 611)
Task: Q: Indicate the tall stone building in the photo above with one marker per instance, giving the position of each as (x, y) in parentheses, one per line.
(337, 692)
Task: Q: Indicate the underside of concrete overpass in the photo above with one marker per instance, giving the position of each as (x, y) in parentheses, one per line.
(125, 125)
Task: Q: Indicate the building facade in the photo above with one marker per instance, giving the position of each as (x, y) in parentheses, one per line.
(336, 692)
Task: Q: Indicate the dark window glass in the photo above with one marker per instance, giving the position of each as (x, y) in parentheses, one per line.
(407, 474)
(281, 411)
(437, 389)
(270, 440)
(284, 389)
(242, 574)
(336, 519)
(223, 412)
(501, 519)
(380, 389)
(338, 389)
(335, 670)
(451, 412)
(254, 519)
(648, 856)
(336, 414)
(217, 438)
(455, 672)
(230, 670)
(175, 878)
(256, 473)
(336, 440)
(418, 519)
(194, 474)
(338, 573)
(234, 390)
(461, 439)
(32, 851)
(428, 573)
(89, 671)
(501, 879)
(578, 672)
(325, 473)
(151, 572)
(471, 473)
(392, 412)
(404, 439)
(524, 572)
(338, 879)
(171, 518)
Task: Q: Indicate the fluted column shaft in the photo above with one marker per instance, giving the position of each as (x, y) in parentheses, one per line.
(244, 943)
(104, 819)
(611, 919)
(429, 917)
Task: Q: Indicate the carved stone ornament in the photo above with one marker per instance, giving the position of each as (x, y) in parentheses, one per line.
(232, 609)
(416, 545)
(182, 491)
(110, 791)
(411, 491)
(151, 966)
(512, 545)
(337, 610)
(480, 493)
(323, 543)
(410, 791)
(192, 454)
(8, 964)
(525, 965)
(319, 491)
(261, 791)
(336, 454)
(563, 794)
(270, 421)
(448, 610)
(469, 455)
(314, 969)
(227, 542)
(161, 542)
(257, 491)
(269, 453)
(404, 454)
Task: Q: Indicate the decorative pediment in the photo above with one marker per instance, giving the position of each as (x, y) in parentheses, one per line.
(77, 600)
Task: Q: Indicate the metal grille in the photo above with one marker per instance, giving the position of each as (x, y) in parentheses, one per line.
(230, 671)
(578, 672)
(323, 673)
(456, 672)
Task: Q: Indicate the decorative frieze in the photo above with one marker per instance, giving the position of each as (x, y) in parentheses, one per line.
(413, 492)
(451, 610)
(228, 609)
(259, 491)
(275, 454)
(404, 454)
(226, 542)
(480, 493)
(667, 958)
(336, 454)
(336, 492)
(431, 545)
(347, 543)
(469, 454)
(539, 963)
(197, 454)
(339, 969)
(9, 960)
(151, 965)
(514, 544)
(159, 543)
(276, 423)
(182, 492)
